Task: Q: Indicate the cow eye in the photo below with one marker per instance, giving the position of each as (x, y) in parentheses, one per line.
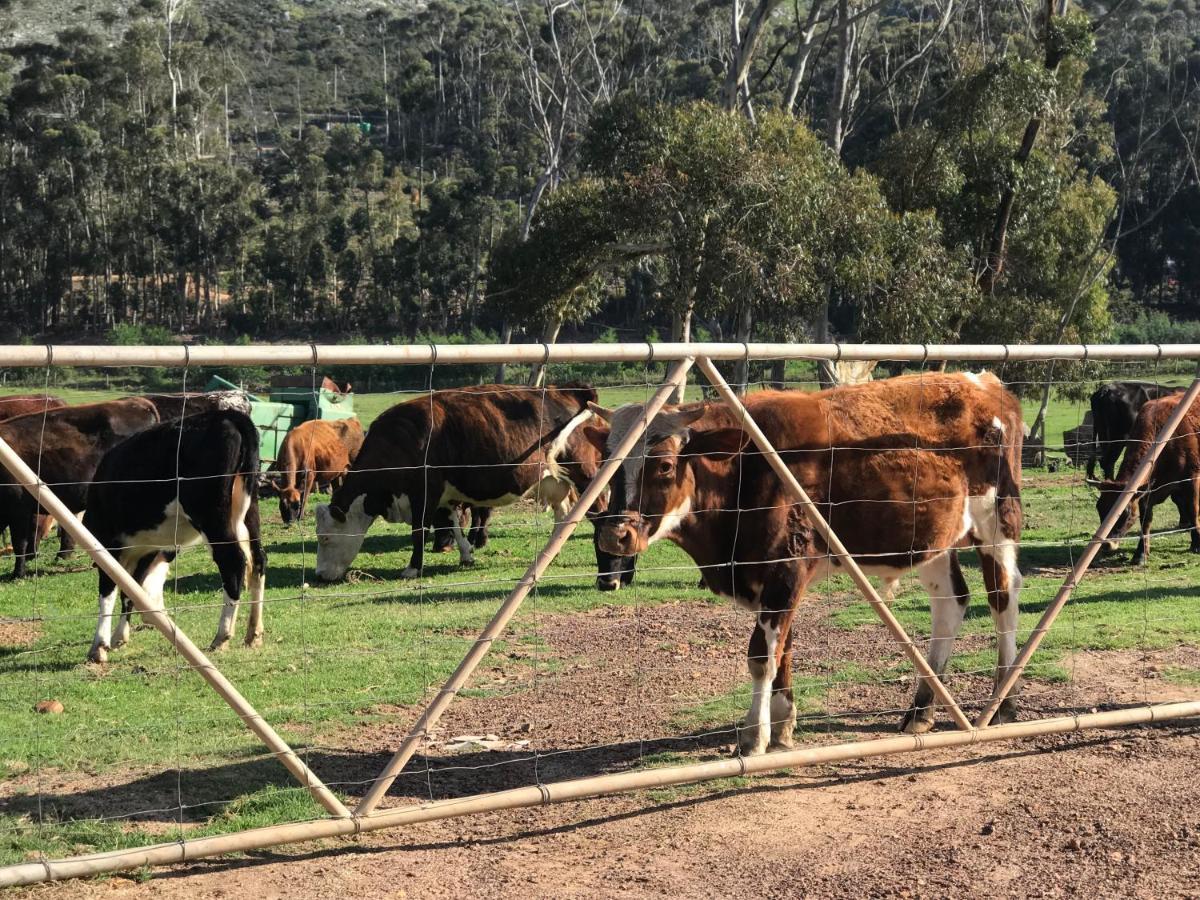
(666, 467)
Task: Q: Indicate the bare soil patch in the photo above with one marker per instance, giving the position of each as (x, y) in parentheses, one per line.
(1093, 814)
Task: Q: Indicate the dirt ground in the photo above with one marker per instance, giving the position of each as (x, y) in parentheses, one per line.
(1097, 814)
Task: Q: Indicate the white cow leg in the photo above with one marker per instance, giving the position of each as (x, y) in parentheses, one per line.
(948, 598)
(755, 734)
(254, 627)
(103, 639)
(1003, 581)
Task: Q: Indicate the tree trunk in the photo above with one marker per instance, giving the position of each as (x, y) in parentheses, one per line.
(506, 331)
(992, 265)
(779, 374)
(741, 370)
(681, 333)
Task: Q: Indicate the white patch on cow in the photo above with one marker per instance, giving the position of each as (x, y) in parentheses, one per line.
(762, 673)
(671, 520)
(103, 638)
(783, 719)
(452, 496)
(173, 531)
(339, 542)
(998, 425)
(466, 554)
(399, 511)
(974, 379)
(559, 444)
(155, 581)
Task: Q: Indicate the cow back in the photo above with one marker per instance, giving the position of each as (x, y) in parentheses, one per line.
(11, 407)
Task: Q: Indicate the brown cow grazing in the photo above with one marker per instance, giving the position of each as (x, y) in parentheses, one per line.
(64, 446)
(905, 471)
(1176, 474)
(313, 454)
(483, 446)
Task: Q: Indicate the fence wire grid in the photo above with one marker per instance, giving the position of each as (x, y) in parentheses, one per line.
(138, 750)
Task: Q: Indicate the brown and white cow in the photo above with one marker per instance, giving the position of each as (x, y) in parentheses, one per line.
(905, 470)
(489, 445)
(1176, 475)
(313, 454)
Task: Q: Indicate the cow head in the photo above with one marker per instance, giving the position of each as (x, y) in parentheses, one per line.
(291, 505)
(1107, 499)
(340, 534)
(653, 491)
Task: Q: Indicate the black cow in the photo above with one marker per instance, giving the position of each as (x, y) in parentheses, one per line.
(1114, 409)
(64, 446)
(171, 487)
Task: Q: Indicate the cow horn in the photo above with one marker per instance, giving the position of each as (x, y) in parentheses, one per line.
(605, 414)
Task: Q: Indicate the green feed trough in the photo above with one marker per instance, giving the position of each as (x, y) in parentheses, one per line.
(294, 399)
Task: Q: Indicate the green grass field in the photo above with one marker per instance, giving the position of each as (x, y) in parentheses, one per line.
(338, 657)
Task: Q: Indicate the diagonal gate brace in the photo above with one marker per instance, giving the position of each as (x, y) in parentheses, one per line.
(158, 617)
(508, 609)
(1140, 475)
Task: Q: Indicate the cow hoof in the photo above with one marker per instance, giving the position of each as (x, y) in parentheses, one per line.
(1006, 714)
(748, 743)
(1194, 550)
(254, 642)
(916, 724)
(441, 549)
(218, 645)
(410, 573)
(782, 741)
(467, 562)
(98, 655)
(1137, 561)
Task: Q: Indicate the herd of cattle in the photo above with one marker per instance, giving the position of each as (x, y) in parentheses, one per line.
(908, 471)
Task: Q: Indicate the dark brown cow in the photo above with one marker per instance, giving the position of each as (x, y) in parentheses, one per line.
(490, 445)
(905, 470)
(313, 453)
(64, 446)
(1176, 474)
(10, 408)
(1114, 410)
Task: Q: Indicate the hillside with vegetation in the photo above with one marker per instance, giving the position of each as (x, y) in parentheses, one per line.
(905, 170)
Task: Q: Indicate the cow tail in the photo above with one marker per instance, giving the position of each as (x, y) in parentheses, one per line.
(242, 465)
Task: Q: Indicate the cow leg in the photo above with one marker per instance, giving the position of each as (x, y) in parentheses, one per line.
(108, 600)
(762, 659)
(231, 562)
(1002, 579)
(1194, 515)
(783, 702)
(480, 515)
(1147, 516)
(948, 598)
(23, 529)
(250, 540)
(152, 582)
(66, 543)
(466, 553)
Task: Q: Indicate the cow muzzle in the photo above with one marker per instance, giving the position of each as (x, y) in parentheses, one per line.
(625, 535)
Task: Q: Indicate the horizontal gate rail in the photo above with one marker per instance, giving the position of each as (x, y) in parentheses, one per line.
(447, 354)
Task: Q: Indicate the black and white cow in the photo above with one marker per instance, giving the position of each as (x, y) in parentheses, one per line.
(168, 488)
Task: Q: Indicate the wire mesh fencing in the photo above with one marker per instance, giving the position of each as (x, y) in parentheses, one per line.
(503, 592)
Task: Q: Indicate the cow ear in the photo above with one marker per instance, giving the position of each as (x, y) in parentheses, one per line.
(605, 414)
(720, 443)
(596, 436)
(338, 514)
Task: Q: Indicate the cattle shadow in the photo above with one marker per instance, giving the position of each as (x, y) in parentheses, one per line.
(192, 796)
